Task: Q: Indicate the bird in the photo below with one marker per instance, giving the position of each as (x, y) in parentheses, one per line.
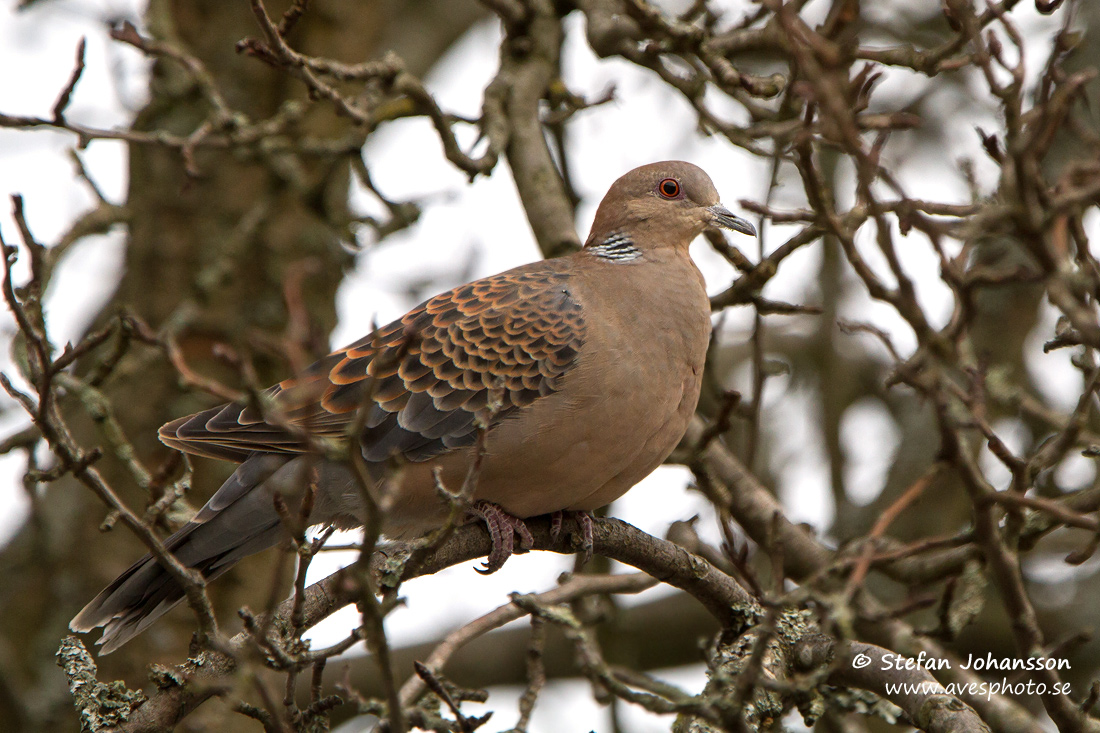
(566, 380)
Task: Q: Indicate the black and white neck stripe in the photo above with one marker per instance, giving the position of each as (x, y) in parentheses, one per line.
(617, 247)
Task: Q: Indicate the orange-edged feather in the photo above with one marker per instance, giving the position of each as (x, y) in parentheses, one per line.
(422, 379)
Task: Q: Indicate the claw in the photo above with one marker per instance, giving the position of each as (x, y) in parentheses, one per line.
(584, 521)
(503, 528)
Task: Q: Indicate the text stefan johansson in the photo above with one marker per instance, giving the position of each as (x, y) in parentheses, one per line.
(976, 663)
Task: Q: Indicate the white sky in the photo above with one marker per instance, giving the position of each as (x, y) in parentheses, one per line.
(647, 122)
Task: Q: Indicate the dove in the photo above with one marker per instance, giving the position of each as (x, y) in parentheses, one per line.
(571, 378)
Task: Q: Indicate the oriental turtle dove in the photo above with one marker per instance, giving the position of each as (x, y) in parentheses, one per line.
(584, 371)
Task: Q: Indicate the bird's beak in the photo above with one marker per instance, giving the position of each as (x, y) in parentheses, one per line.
(723, 217)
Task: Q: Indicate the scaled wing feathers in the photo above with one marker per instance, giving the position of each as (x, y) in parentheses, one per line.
(491, 347)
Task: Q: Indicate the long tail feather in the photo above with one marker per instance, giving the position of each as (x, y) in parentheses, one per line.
(238, 521)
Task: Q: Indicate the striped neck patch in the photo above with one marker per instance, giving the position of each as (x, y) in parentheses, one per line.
(618, 247)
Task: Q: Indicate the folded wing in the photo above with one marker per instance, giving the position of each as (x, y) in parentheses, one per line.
(486, 349)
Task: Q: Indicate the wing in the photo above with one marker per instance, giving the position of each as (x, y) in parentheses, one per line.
(423, 380)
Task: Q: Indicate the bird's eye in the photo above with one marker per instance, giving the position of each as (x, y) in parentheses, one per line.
(669, 188)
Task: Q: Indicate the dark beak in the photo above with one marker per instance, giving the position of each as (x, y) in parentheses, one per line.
(724, 218)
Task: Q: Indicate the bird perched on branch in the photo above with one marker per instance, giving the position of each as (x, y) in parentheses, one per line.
(579, 373)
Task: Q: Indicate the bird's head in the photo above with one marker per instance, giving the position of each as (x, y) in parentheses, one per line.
(663, 204)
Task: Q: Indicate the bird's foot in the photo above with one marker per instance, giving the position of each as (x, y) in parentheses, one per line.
(503, 528)
(584, 521)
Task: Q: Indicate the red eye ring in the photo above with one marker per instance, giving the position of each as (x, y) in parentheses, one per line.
(669, 188)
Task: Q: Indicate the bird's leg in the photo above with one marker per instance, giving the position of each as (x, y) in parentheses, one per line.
(584, 521)
(502, 530)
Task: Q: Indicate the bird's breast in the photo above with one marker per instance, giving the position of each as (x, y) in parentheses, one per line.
(616, 413)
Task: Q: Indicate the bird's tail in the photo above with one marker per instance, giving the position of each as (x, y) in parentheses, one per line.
(238, 521)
